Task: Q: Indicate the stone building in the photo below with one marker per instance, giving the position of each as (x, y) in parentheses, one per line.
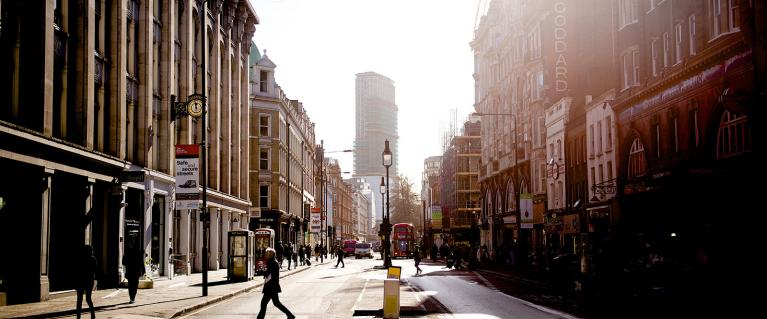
(87, 138)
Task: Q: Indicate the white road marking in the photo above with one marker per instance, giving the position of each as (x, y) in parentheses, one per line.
(177, 285)
(112, 294)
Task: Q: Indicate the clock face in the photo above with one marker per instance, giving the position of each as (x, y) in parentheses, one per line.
(194, 107)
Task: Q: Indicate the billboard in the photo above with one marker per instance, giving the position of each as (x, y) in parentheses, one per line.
(315, 221)
(436, 217)
(187, 176)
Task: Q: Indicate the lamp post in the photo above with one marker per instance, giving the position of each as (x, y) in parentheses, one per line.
(387, 162)
(205, 216)
(382, 188)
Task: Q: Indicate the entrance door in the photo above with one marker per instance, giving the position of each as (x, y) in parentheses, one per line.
(158, 234)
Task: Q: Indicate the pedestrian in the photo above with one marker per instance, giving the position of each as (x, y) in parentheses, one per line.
(433, 253)
(340, 252)
(133, 259)
(288, 254)
(272, 287)
(417, 259)
(295, 260)
(301, 254)
(87, 276)
(316, 252)
(279, 250)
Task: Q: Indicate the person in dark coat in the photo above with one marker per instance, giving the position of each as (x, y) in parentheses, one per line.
(417, 260)
(88, 266)
(133, 259)
(272, 287)
(340, 252)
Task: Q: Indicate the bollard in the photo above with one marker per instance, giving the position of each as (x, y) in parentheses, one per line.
(391, 298)
(391, 292)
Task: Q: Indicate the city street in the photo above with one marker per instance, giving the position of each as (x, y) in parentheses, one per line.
(329, 292)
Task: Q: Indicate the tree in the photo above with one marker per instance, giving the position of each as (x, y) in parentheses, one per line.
(405, 206)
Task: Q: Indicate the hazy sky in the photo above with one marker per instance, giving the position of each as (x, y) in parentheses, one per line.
(423, 45)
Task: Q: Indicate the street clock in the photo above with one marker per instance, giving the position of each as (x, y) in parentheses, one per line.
(195, 105)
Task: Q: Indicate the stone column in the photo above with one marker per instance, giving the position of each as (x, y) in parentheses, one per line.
(184, 248)
(215, 220)
(89, 210)
(45, 227)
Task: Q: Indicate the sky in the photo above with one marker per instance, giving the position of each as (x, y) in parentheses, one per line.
(422, 45)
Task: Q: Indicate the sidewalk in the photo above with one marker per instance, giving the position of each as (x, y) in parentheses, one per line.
(168, 299)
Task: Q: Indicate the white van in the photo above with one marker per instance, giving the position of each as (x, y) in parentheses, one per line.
(363, 250)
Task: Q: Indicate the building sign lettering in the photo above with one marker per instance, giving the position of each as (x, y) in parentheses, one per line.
(560, 46)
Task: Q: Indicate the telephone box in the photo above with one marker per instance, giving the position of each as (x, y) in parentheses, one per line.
(241, 249)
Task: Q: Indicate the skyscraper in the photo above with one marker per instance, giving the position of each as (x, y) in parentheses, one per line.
(375, 122)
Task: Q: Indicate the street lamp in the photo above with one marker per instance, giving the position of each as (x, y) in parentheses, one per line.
(382, 188)
(387, 162)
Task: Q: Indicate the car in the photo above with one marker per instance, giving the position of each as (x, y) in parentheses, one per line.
(363, 250)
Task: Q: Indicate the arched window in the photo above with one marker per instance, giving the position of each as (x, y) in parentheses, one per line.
(734, 135)
(489, 201)
(637, 163)
(511, 202)
(499, 203)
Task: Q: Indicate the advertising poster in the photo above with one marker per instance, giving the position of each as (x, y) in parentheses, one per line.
(315, 221)
(436, 217)
(526, 210)
(187, 176)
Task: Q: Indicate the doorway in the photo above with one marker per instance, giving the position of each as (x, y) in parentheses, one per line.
(158, 235)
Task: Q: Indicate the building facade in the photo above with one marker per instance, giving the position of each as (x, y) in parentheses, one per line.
(283, 142)
(362, 202)
(684, 115)
(375, 122)
(459, 186)
(85, 130)
(430, 197)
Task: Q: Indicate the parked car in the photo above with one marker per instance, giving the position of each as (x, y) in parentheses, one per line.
(363, 250)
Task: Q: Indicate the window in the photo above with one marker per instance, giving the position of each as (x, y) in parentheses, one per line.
(263, 196)
(666, 50)
(601, 174)
(734, 17)
(734, 135)
(627, 12)
(263, 124)
(263, 159)
(609, 130)
(678, 43)
(599, 141)
(593, 176)
(657, 139)
(692, 33)
(654, 54)
(724, 16)
(591, 140)
(559, 149)
(715, 9)
(631, 68)
(551, 150)
(263, 81)
(609, 170)
(542, 176)
(694, 126)
(637, 164)
(534, 38)
(675, 132)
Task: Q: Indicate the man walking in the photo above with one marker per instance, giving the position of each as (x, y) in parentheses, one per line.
(417, 259)
(272, 287)
(133, 259)
(340, 252)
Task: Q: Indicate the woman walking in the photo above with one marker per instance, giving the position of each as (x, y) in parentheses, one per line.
(272, 288)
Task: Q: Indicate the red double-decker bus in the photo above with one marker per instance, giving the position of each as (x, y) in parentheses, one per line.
(403, 240)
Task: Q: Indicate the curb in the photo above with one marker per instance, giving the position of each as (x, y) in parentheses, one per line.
(227, 296)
